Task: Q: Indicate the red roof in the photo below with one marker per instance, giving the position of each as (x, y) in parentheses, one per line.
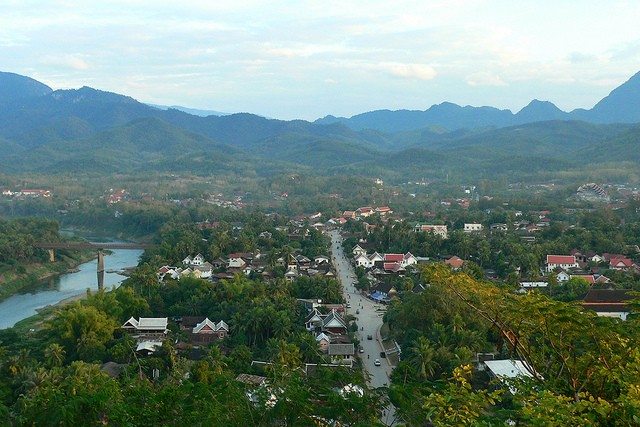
(561, 259)
(620, 262)
(393, 257)
(392, 266)
(455, 262)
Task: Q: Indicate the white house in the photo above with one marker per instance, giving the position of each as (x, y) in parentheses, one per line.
(363, 260)
(564, 262)
(409, 259)
(235, 262)
(439, 230)
(472, 227)
(357, 250)
(197, 260)
(563, 276)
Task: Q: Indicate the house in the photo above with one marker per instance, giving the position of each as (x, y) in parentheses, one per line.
(472, 227)
(393, 267)
(383, 292)
(208, 331)
(363, 260)
(393, 258)
(620, 263)
(525, 286)
(565, 262)
(455, 262)
(291, 274)
(383, 210)
(364, 212)
(265, 235)
(358, 250)
(313, 320)
(235, 261)
(146, 327)
(438, 230)
(165, 270)
(409, 259)
(323, 341)
(334, 323)
(563, 276)
(341, 354)
(197, 260)
(498, 227)
(507, 369)
(609, 302)
(349, 214)
(205, 270)
(321, 259)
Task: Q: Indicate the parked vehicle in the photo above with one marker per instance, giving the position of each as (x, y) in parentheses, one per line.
(369, 337)
(377, 362)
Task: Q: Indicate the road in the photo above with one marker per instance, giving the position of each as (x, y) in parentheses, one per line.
(369, 319)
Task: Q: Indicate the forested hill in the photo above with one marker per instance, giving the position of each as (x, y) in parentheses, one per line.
(91, 130)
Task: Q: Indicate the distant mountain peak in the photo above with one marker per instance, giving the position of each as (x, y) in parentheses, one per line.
(15, 87)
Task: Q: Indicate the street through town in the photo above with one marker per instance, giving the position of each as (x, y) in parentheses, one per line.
(369, 319)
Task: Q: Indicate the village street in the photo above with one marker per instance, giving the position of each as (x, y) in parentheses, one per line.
(369, 319)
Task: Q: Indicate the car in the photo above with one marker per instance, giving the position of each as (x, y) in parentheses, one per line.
(377, 362)
(361, 350)
(357, 311)
(348, 305)
(369, 337)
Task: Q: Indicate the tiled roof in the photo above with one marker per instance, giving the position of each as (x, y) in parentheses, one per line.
(561, 259)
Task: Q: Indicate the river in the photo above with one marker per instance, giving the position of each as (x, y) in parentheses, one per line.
(21, 306)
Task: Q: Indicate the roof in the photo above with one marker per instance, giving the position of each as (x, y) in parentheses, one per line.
(251, 379)
(561, 259)
(323, 336)
(625, 262)
(152, 323)
(333, 320)
(507, 368)
(341, 349)
(148, 345)
(607, 296)
(393, 257)
(206, 323)
(455, 262)
(392, 266)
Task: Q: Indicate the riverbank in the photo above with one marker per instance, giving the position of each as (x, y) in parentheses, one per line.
(12, 282)
(37, 321)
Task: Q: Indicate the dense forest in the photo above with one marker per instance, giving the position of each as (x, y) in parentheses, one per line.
(583, 368)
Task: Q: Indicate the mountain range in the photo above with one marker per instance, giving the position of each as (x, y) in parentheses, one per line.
(622, 105)
(81, 130)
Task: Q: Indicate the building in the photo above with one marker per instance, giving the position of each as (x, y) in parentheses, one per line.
(438, 230)
(608, 302)
(564, 262)
(341, 354)
(472, 227)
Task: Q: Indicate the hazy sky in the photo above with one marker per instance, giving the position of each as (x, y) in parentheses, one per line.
(306, 59)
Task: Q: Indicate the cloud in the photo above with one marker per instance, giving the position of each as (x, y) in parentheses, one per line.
(484, 78)
(409, 71)
(73, 62)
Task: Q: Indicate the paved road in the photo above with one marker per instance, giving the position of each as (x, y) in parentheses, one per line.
(369, 319)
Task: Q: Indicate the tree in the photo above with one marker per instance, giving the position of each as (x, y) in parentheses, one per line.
(54, 354)
(83, 330)
(423, 358)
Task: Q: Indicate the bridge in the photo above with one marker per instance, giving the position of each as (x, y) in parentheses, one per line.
(99, 247)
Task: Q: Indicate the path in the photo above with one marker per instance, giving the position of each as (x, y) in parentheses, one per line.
(369, 320)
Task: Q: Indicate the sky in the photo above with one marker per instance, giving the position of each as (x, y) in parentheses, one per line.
(306, 59)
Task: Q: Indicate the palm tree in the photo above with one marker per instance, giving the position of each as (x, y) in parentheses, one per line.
(54, 354)
(423, 357)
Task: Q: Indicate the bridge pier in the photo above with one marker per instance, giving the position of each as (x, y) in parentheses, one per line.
(52, 255)
(100, 270)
